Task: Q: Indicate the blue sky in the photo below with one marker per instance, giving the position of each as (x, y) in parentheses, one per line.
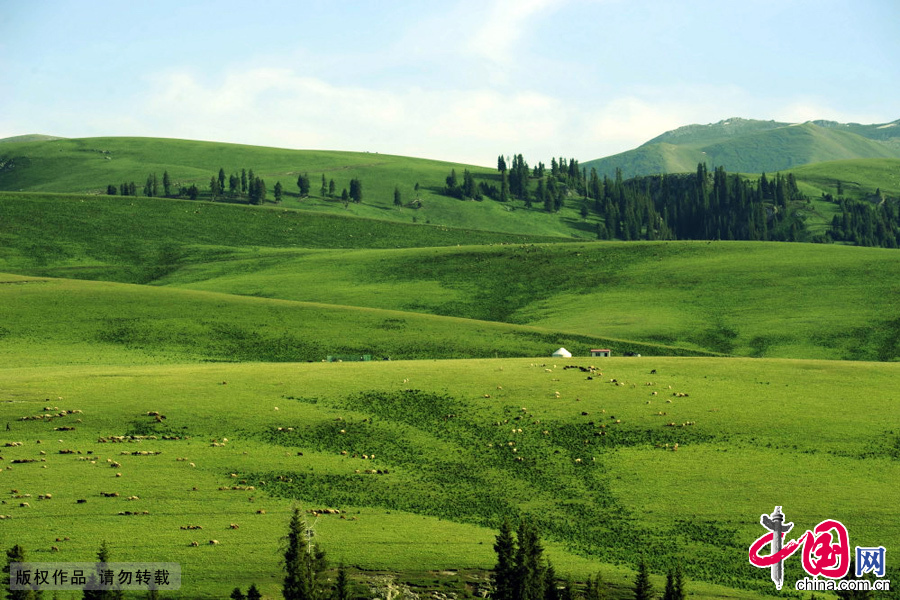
(458, 80)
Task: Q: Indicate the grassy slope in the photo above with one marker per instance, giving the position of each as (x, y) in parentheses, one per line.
(792, 146)
(749, 149)
(89, 165)
(787, 300)
(139, 239)
(450, 480)
(649, 159)
(751, 299)
(860, 178)
(58, 321)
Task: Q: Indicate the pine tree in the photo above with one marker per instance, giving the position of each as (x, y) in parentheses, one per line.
(669, 593)
(13, 555)
(679, 592)
(297, 580)
(551, 591)
(596, 589)
(243, 181)
(102, 558)
(643, 589)
(167, 184)
(304, 185)
(331, 188)
(221, 179)
(397, 200)
(253, 593)
(529, 570)
(278, 192)
(324, 189)
(504, 575)
(341, 585)
(356, 193)
(111, 190)
(237, 594)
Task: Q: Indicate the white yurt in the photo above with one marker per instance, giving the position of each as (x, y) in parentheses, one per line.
(562, 352)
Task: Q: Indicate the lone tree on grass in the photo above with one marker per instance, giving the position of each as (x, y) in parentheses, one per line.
(643, 589)
(303, 564)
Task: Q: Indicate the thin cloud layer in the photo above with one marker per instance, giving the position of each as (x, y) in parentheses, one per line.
(462, 81)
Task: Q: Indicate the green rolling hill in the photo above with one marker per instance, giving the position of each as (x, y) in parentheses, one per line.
(218, 315)
(751, 299)
(751, 146)
(88, 166)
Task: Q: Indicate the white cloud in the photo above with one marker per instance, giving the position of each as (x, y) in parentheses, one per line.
(279, 107)
(502, 25)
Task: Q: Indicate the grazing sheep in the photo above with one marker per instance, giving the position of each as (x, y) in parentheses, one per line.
(54, 549)
(261, 512)
(213, 542)
(234, 525)
(24, 505)
(195, 543)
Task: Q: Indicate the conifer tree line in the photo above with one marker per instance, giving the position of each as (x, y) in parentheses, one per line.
(699, 205)
(521, 572)
(238, 186)
(865, 223)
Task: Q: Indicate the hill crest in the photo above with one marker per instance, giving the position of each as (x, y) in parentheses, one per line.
(753, 146)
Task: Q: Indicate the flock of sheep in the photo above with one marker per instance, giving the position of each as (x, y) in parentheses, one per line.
(515, 433)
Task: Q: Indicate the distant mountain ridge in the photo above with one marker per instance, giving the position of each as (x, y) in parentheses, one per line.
(753, 146)
(31, 137)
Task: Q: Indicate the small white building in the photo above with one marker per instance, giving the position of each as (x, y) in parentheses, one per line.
(600, 352)
(563, 353)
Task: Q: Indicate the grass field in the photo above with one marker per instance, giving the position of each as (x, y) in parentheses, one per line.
(60, 321)
(761, 300)
(87, 166)
(603, 485)
(776, 300)
(742, 145)
(218, 316)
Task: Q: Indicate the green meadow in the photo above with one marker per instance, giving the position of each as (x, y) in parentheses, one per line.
(87, 166)
(760, 374)
(460, 444)
(741, 298)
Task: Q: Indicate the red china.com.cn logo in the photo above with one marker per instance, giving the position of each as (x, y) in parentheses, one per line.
(825, 552)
